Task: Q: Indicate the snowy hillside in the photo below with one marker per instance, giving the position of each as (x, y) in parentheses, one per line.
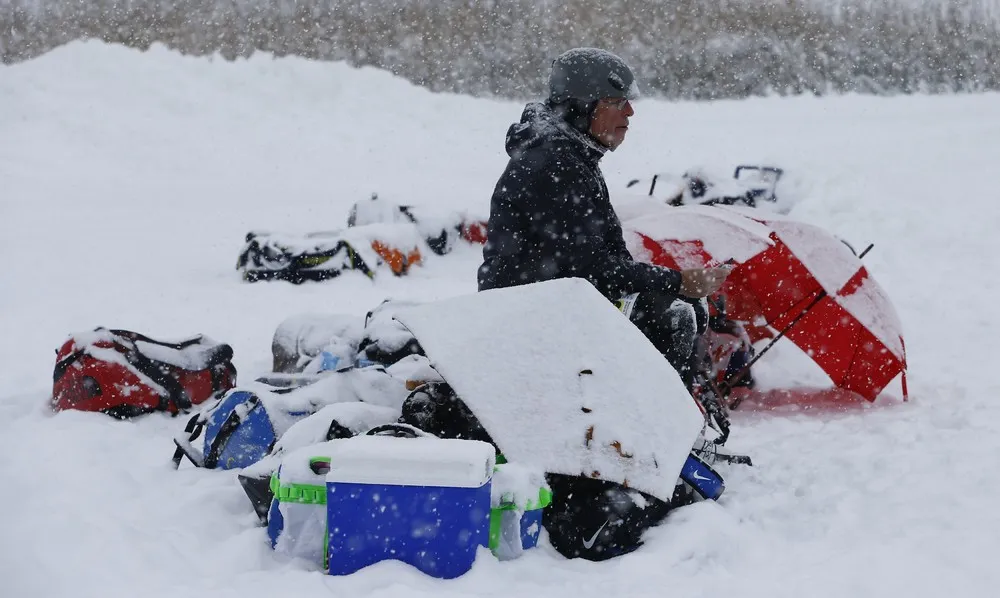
(127, 184)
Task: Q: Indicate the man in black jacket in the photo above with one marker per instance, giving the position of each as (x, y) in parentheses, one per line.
(551, 216)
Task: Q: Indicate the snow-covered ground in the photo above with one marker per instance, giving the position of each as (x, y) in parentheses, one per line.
(127, 183)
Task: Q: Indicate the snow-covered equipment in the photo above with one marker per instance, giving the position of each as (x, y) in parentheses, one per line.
(749, 185)
(385, 340)
(380, 235)
(124, 373)
(315, 343)
(394, 493)
(440, 230)
(328, 254)
(246, 424)
(299, 520)
(558, 357)
(545, 372)
(422, 500)
(337, 420)
(238, 431)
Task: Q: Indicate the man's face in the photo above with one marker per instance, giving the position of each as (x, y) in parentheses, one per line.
(609, 123)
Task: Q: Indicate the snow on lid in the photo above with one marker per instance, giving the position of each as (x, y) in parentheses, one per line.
(723, 234)
(563, 382)
(396, 461)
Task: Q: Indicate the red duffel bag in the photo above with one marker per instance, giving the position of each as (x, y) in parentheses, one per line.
(124, 373)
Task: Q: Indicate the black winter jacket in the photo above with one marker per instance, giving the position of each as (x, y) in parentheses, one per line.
(551, 217)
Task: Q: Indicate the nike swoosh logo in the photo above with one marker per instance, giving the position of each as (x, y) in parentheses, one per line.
(588, 544)
(695, 475)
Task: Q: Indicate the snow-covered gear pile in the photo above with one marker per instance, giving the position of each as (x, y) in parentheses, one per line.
(315, 343)
(380, 236)
(324, 255)
(125, 374)
(536, 383)
(545, 376)
(749, 185)
(300, 338)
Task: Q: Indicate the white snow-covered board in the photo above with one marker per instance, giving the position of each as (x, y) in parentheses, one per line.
(563, 381)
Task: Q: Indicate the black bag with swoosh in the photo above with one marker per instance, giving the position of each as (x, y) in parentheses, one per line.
(598, 520)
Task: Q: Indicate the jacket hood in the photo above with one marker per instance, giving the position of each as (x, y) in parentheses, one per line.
(539, 123)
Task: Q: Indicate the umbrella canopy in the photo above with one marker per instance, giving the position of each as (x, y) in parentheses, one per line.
(787, 270)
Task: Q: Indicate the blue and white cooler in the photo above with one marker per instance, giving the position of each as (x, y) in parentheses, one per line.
(420, 500)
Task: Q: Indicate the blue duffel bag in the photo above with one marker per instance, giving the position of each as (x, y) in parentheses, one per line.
(238, 431)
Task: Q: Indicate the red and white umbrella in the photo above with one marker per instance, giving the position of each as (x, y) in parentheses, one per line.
(788, 274)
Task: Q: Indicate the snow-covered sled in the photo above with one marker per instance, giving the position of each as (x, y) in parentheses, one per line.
(323, 255)
(380, 236)
(749, 185)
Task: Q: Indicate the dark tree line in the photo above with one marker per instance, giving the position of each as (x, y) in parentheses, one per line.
(690, 49)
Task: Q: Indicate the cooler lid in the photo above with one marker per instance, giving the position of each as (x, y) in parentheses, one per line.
(396, 461)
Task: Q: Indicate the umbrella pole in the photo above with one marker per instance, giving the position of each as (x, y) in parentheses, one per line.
(727, 385)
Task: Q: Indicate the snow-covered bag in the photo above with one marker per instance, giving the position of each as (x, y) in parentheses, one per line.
(324, 255)
(124, 373)
(299, 339)
(440, 230)
(386, 340)
(246, 424)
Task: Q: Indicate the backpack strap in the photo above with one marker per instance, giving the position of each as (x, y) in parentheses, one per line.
(177, 398)
(185, 448)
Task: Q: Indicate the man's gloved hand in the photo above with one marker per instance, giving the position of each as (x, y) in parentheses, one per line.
(702, 282)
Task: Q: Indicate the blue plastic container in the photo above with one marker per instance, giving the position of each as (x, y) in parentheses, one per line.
(425, 502)
(531, 525)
